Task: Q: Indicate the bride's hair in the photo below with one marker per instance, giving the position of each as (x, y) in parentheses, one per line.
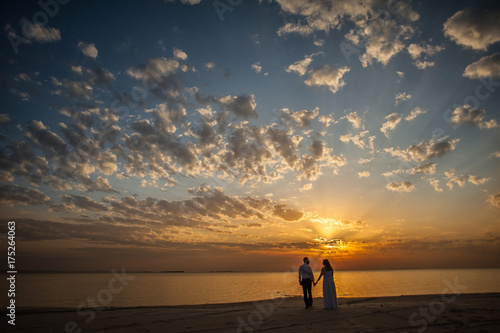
(328, 267)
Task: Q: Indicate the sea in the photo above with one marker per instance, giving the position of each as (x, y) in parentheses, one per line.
(132, 289)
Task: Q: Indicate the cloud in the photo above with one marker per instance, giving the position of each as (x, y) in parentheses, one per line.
(300, 66)
(99, 76)
(300, 119)
(362, 140)
(400, 186)
(422, 64)
(364, 174)
(11, 194)
(160, 77)
(41, 137)
(186, 2)
(428, 169)
(402, 97)
(70, 202)
(99, 185)
(416, 51)
(424, 151)
(384, 42)
(414, 113)
(43, 34)
(160, 66)
(320, 155)
(242, 106)
(4, 119)
(88, 49)
(485, 67)
(77, 69)
(420, 53)
(210, 66)
(382, 37)
(494, 199)
(289, 215)
(475, 27)
(179, 54)
(78, 89)
(319, 42)
(6, 176)
(326, 120)
(306, 187)
(327, 75)
(354, 119)
(466, 114)
(365, 160)
(392, 121)
(435, 183)
(257, 67)
(461, 180)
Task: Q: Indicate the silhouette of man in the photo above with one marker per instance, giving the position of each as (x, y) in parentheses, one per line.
(306, 277)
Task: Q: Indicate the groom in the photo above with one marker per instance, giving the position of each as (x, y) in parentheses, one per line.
(306, 277)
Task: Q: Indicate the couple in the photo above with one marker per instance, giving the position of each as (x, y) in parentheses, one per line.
(306, 279)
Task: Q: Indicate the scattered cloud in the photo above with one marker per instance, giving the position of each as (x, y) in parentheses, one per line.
(435, 183)
(428, 169)
(485, 67)
(466, 114)
(363, 174)
(402, 97)
(414, 114)
(327, 75)
(306, 187)
(88, 49)
(461, 180)
(77, 69)
(420, 53)
(210, 66)
(300, 66)
(474, 27)
(400, 186)
(494, 199)
(392, 121)
(179, 54)
(11, 194)
(354, 119)
(362, 139)
(257, 67)
(425, 150)
(43, 34)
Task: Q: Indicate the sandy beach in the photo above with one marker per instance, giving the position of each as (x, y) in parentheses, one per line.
(429, 313)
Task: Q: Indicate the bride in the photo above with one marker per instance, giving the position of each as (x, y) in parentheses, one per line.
(329, 292)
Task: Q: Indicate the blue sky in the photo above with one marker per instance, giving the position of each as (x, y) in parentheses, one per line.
(363, 131)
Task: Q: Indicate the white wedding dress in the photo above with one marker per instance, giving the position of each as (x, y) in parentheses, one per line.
(329, 291)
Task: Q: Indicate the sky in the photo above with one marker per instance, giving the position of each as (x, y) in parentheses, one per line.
(244, 135)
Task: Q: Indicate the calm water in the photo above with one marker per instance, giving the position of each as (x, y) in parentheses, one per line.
(70, 290)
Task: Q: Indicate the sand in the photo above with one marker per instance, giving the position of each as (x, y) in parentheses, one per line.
(429, 313)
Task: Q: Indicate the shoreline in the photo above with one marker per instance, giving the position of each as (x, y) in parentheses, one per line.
(28, 310)
(438, 313)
